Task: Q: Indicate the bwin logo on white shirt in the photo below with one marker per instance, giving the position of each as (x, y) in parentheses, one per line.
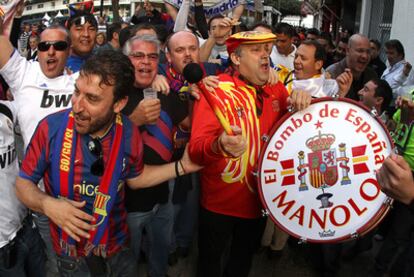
(58, 100)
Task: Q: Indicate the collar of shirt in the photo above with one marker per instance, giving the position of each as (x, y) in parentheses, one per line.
(396, 66)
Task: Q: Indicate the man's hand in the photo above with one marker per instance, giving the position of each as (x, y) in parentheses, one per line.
(407, 68)
(234, 145)
(223, 29)
(344, 81)
(396, 179)
(407, 108)
(210, 82)
(188, 165)
(20, 9)
(67, 214)
(147, 112)
(300, 100)
(160, 83)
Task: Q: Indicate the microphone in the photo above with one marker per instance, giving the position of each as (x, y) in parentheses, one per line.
(193, 73)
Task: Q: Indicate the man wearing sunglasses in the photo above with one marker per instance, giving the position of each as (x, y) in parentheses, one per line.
(86, 155)
(39, 89)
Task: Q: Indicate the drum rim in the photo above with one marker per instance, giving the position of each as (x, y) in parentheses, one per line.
(364, 229)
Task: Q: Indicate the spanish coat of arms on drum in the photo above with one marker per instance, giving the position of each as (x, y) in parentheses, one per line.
(317, 171)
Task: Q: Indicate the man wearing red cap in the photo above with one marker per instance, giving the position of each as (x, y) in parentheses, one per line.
(230, 215)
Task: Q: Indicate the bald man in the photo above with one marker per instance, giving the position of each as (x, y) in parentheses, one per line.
(357, 59)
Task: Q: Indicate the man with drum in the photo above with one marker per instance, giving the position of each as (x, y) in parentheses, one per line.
(230, 215)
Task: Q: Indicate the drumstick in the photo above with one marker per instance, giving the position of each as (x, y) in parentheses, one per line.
(194, 74)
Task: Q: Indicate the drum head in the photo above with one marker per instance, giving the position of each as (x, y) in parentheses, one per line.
(317, 171)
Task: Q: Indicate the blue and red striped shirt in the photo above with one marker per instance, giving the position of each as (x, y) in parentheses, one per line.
(36, 165)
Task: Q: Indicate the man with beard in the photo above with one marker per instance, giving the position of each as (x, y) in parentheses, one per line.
(86, 155)
(230, 216)
(356, 59)
(149, 208)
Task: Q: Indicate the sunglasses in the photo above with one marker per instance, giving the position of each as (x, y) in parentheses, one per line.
(57, 45)
(97, 167)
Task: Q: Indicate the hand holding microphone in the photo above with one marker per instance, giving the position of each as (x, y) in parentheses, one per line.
(194, 74)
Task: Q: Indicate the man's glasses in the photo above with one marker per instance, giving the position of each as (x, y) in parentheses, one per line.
(97, 167)
(57, 45)
(153, 57)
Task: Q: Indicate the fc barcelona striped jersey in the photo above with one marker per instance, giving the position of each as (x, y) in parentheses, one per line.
(37, 164)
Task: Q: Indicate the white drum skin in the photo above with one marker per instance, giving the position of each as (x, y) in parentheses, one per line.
(317, 171)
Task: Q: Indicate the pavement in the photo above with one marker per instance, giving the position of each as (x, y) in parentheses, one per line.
(295, 261)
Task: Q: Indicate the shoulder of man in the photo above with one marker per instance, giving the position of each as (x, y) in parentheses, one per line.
(336, 69)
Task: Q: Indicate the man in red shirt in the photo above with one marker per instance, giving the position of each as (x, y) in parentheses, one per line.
(230, 216)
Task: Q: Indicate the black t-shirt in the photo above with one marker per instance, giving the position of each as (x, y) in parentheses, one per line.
(158, 140)
(378, 65)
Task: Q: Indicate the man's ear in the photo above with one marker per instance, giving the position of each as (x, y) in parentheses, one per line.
(120, 104)
(319, 65)
(235, 59)
(379, 100)
(168, 56)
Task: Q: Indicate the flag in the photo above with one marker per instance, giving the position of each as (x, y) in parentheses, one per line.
(8, 10)
(359, 159)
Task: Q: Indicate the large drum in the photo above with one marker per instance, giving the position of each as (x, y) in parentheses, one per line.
(317, 171)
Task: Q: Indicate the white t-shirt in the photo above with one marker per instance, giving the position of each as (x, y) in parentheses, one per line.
(35, 95)
(286, 61)
(12, 211)
(317, 87)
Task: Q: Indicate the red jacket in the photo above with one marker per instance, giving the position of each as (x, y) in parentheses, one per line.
(227, 185)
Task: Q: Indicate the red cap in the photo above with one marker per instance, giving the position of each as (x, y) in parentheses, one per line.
(249, 37)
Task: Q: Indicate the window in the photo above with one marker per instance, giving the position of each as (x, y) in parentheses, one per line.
(40, 6)
(28, 8)
(65, 2)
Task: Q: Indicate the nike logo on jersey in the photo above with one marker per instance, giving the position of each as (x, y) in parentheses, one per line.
(58, 100)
